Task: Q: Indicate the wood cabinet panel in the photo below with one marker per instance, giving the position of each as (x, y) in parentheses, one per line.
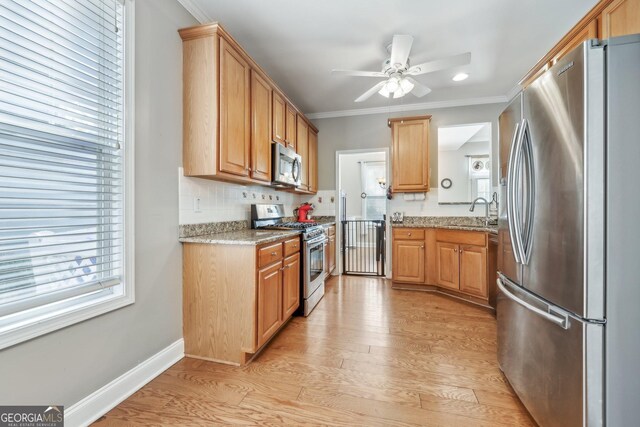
(291, 246)
(332, 253)
(279, 107)
(448, 265)
(473, 270)
(331, 230)
(620, 18)
(291, 285)
(269, 254)
(478, 238)
(302, 148)
(313, 161)
(260, 128)
(235, 111)
(408, 261)
(290, 127)
(409, 233)
(269, 302)
(410, 142)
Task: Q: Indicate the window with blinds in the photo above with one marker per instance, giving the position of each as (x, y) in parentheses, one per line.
(61, 151)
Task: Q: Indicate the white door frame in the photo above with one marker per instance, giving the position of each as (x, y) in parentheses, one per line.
(387, 159)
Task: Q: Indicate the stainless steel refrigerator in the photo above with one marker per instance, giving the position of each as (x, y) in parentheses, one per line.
(569, 260)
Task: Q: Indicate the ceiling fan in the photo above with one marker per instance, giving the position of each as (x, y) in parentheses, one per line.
(397, 71)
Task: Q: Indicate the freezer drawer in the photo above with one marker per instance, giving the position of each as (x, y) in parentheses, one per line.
(544, 359)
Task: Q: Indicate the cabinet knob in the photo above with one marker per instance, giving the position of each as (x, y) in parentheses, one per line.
(409, 234)
(421, 247)
(455, 250)
(273, 254)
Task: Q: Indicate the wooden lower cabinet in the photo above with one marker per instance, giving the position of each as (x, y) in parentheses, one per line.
(269, 301)
(332, 253)
(408, 261)
(236, 297)
(291, 285)
(450, 261)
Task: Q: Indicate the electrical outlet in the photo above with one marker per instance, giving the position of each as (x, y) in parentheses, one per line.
(197, 201)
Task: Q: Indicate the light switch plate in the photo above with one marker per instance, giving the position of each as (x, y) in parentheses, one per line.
(197, 202)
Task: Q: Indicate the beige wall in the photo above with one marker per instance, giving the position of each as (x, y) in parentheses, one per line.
(65, 366)
(371, 131)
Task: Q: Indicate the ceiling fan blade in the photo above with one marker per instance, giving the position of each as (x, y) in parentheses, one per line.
(419, 89)
(370, 92)
(360, 73)
(439, 64)
(400, 48)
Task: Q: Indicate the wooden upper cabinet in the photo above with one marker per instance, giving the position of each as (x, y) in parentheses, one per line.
(260, 128)
(410, 138)
(313, 161)
(269, 301)
(590, 31)
(291, 285)
(473, 270)
(408, 261)
(290, 126)
(448, 265)
(235, 111)
(620, 18)
(279, 107)
(302, 148)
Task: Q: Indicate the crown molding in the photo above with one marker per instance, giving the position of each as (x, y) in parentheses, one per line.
(410, 107)
(195, 11)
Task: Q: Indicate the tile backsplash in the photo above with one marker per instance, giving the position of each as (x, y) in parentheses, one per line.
(221, 201)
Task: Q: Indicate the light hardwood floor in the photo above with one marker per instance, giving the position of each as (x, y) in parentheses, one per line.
(367, 356)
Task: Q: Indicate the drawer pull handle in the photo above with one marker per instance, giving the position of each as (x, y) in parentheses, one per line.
(273, 254)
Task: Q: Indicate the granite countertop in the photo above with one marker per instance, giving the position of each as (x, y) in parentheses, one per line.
(241, 237)
(447, 222)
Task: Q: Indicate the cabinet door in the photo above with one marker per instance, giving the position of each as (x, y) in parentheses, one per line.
(620, 18)
(408, 261)
(279, 108)
(326, 259)
(235, 111)
(448, 265)
(411, 155)
(332, 253)
(290, 127)
(302, 148)
(291, 285)
(473, 270)
(260, 128)
(269, 302)
(590, 31)
(313, 161)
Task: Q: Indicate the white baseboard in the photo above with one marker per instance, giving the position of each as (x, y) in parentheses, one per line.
(108, 397)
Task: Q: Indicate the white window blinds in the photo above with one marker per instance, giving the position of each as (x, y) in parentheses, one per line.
(61, 139)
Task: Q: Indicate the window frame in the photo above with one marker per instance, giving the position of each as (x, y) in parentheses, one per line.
(30, 324)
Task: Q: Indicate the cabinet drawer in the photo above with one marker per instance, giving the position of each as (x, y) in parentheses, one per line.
(408, 233)
(331, 230)
(269, 254)
(291, 246)
(462, 237)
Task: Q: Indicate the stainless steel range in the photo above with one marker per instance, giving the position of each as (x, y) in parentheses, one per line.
(266, 216)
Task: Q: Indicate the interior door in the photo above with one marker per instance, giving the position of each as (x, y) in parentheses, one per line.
(554, 130)
(508, 126)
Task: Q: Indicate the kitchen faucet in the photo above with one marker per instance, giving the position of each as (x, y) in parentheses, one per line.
(486, 209)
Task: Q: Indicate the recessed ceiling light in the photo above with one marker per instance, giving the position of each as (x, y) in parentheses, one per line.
(460, 77)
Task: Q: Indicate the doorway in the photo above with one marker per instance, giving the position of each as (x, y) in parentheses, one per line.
(362, 177)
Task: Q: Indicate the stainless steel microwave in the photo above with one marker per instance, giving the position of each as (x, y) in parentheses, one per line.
(286, 166)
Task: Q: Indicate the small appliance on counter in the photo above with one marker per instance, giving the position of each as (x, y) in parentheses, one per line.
(304, 212)
(269, 217)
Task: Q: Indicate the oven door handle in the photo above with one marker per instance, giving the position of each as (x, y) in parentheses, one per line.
(315, 242)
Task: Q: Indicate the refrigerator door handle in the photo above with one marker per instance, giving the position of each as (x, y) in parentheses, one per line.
(510, 192)
(527, 151)
(515, 163)
(559, 319)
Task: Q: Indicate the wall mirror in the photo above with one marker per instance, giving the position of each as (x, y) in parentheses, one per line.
(464, 163)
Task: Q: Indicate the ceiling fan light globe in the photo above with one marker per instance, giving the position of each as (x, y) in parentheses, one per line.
(384, 92)
(392, 84)
(399, 93)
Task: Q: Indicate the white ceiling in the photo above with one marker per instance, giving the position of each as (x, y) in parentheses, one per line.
(298, 42)
(451, 138)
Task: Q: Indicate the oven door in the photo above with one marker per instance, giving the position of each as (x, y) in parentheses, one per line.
(313, 265)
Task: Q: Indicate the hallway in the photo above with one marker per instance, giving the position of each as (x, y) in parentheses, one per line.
(367, 355)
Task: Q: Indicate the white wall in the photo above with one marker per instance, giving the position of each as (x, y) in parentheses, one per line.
(65, 366)
(222, 201)
(454, 164)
